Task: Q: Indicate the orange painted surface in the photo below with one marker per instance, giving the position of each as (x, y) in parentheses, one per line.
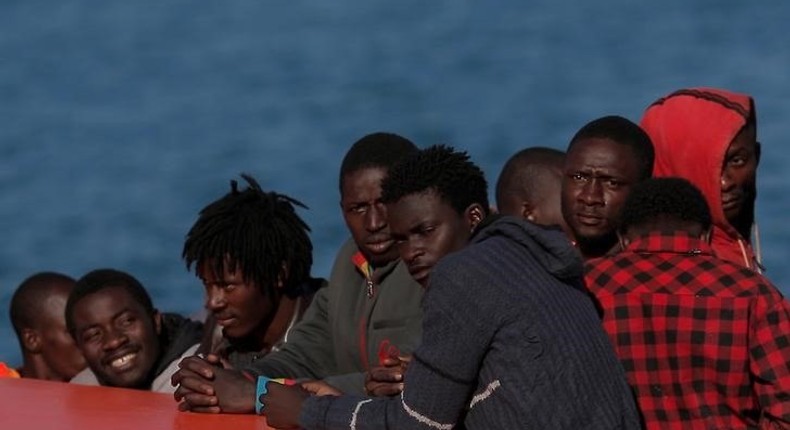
(41, 405)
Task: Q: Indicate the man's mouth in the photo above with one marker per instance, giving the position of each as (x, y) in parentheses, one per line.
(225, 320)
(123, 362)
(730, 203)
(379, 246)
(590, 220)
(420, 273)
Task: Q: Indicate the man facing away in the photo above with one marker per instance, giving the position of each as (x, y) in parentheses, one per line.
(530, 186)
(604, 160)
(709, 137)
(370, 302)
(126, 341)
(705, 342)
(37, 309)
(510, 336)
(253, 254)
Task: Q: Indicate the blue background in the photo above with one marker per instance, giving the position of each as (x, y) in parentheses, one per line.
(120, 120)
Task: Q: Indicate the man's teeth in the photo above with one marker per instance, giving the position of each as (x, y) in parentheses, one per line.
(121, 361)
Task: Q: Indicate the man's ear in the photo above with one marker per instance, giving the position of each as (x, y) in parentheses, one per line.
(31, 340)
(474, 215)
(622, 240)
(157, 321)
(706, 235)
(528, 212)
(282, 276)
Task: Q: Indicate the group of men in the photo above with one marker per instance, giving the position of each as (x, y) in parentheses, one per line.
(616, 287)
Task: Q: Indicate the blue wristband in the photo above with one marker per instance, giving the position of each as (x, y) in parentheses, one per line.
(260, 391)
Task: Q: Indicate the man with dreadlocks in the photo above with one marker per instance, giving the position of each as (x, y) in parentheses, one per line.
(252, 252)
(370, 310)
(511, 339)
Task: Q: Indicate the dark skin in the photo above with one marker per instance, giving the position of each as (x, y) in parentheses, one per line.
(739, 180)
(366, 215)
(599, 174)
(426, 229)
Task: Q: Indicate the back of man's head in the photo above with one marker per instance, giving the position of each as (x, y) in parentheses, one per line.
(100, 279)
(665, 205)
(449, 173)
(30, 296)
(532, 179)
(376, 150)
(624, 132)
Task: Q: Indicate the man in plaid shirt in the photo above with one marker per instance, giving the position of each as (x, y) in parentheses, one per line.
(705, 343)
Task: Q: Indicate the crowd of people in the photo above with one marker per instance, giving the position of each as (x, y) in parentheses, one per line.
(612, 285)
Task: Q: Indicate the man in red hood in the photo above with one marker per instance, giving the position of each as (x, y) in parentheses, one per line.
(708, 136)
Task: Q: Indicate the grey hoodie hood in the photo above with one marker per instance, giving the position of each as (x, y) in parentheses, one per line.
(548, 246)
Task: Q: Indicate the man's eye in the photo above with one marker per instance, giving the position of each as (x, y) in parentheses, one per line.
(90, 336)
(737, 161)
(126, 321)
(577, 177)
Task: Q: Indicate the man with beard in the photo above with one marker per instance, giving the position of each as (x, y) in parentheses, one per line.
(709, 137)
(604, 160)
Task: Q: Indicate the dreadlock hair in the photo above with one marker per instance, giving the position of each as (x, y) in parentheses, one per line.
(100, 279)
(625, 132)
(441, 168)
(256, 232)
(375, 150)
(527, 173)
(665, 204)
(32, 293)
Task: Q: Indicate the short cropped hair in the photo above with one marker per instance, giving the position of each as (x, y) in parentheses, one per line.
(257, 232)
(669, 201)
(100, 279)
(450, 173)
(30, 295)
(376, 150)
(524, 172)
(624, 132)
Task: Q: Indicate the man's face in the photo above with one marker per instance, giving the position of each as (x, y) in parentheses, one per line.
(238, 306)
(426, 229)
(599, 174)
(118, 337)
(58, 349)
(739, 174)
(366, 215)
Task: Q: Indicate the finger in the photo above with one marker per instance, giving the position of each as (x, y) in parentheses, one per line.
(214, 359)
(197, 365)
(382, 390)
(196, 385)
(390, 361)
(207, 410)
(197, 401)
(390, 374)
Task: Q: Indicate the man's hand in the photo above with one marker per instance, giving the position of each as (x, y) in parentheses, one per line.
(321, 388)
(204, 387)
(283, 404)
(387, 379)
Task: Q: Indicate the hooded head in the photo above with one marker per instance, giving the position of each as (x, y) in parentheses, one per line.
(708, 136)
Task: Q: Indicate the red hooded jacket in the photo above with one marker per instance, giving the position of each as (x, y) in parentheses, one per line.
(691, 130)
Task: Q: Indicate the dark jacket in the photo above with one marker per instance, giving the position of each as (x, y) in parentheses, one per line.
(510, 340)
(340, 335)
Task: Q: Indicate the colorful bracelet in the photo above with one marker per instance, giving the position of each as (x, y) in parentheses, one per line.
(260, 391)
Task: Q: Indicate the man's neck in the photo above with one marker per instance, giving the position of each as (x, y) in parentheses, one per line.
(34, 367)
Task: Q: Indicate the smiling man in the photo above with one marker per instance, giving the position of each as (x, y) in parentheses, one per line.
(604, 160)
(511, 338)
(709, 137)
(125, 340)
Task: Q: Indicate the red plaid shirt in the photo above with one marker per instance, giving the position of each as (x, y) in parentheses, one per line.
(705, 343)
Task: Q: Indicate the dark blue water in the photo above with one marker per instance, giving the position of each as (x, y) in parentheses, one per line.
(120, 120)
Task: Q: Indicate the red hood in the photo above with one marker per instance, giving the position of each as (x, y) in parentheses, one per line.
(691, 130)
